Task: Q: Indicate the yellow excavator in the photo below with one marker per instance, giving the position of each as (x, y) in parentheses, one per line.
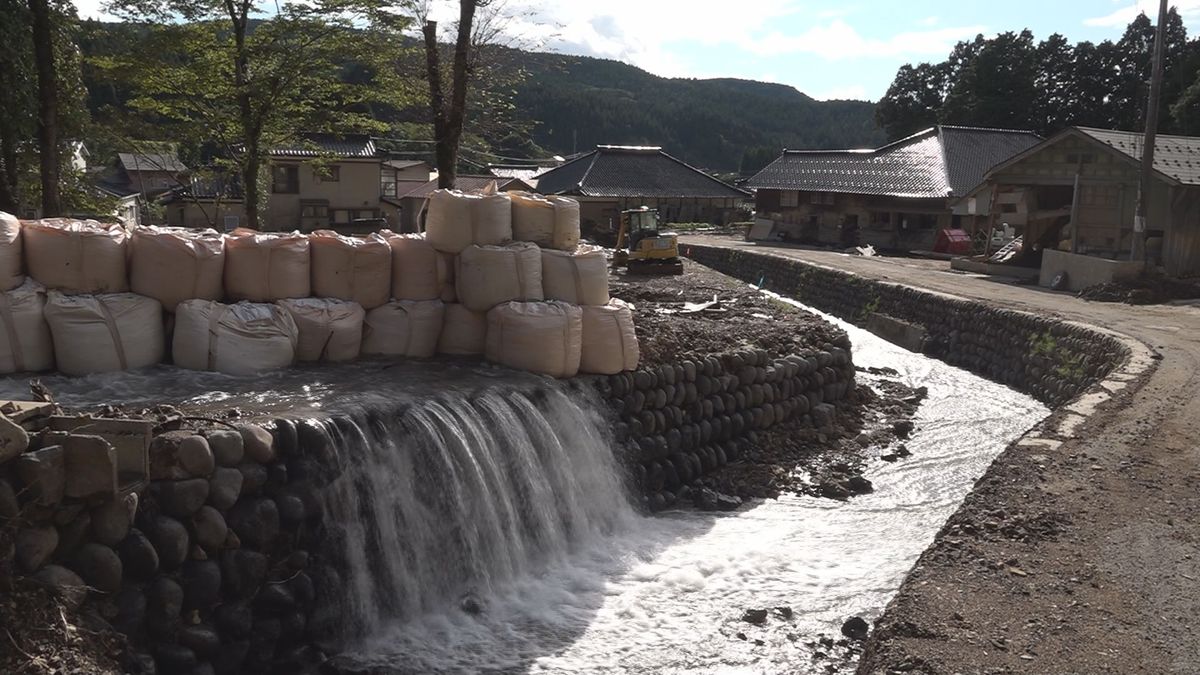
(642, 249)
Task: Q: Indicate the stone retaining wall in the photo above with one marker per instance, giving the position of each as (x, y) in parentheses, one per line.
(680, 421)
(1054, 361)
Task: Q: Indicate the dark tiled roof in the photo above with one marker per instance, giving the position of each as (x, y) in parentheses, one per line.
(614, 171)
(132, 161)
(1176, 157)
(405, 163)
(220, 186)
(934, 164)
(527, 173)
(316, 145)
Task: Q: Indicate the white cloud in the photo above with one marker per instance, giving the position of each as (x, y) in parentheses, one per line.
(839, 40)
(1123, 16)
(852, 92)
(929, 21)
(92, 9)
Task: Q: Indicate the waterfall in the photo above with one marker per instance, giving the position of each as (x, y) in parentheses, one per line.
(453, 496)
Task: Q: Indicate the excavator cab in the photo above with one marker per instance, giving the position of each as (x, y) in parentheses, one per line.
(642, 248)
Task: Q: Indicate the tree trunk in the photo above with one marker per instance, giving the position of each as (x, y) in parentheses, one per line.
(48, 150)
(448, 120)
(251, 161)
(8, 171)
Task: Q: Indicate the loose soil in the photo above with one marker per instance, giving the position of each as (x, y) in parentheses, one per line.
(1151, 290)
(39, 635)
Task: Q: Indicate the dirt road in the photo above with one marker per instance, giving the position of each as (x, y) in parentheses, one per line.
(1083, 558)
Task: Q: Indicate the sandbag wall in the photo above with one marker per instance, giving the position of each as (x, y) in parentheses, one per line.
(318, 297)
(679, 421)
(1048, 359)
(205, 566)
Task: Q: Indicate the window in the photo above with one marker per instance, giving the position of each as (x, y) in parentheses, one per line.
(314, 211)
(387, 185)
(285, 179)
(789, 198)
(327, 174)
(341, 216)
(361, 214)
(825, 198)
(231, 223)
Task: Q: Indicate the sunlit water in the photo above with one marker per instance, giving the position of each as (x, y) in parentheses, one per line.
(613, 592)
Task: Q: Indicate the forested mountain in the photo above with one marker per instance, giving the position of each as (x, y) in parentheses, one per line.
(566, 103)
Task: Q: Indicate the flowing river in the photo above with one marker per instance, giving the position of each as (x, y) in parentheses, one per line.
(510, 503)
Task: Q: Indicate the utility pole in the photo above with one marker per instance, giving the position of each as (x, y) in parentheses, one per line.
(1156, 76)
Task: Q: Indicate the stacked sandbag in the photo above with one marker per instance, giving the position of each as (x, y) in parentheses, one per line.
(420, 271)
(265, 267)
(541, 337)
(464, 332)
(357, 269)
(579, 277)
(456, 220)
(12, 265)
(549, 222)
(329, 329)
(173, 264)
(76, 256)
(610, 344)
(403, 328)
(486, 276)
(238, 339)
(25, 342)
(104, 333)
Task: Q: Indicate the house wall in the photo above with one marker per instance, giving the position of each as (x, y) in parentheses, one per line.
(355, 194)
(831, 218)
(206, 214)
(152, 182)
(604, 212)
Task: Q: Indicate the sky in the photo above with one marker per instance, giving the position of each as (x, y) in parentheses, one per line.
(825, 48)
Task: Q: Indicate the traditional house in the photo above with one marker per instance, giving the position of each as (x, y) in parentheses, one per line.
(613, 178)
(895, 197)
(150, 174)
(1076, 193)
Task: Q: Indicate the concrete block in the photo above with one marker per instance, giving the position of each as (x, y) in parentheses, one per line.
(43, 472)
(91, 467)
(1084, 271)
(902, 333)
(129, 438)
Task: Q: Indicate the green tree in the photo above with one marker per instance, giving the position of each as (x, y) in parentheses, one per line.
(1055, 105)
(239, 81)
(914, 100)
(755, 158)
(997, 86)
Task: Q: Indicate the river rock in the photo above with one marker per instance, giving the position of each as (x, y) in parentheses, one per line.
(111, 520)
(44, 474)
(236, 619)
(755, 616)
(165, 462)
(9, 506)
(859, 485)
(130, 605)
(286, 437)
(99, 566)
(258, 443)
(302, 589)
(291, 510)
(254, 477)
(209, 528)
(174, 659)
(91, 467)
(229, 660)
(35, 545)
(201, 584)
(274, 598)
(201, 639)
(195, 456)
(226, 446)
(902, 428)
(182, 498)
(164, 601)
(139, 559)
(73, 534)
(170, 539)
(856, 628)
(13, 439)
(243, 571)
(256, 522)
(64, 583)
(224, 488)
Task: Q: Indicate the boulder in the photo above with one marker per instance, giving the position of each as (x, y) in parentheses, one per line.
(195, 456)
(130, 605)
(164, 601)
(201, 639)
(224, 487)
(227, 446)
(182, 498)
(243, 571)
(170, 539)
(44, 473)
(64, 583)
(856, 628)
(209, 528)
(256, 522)
(201, 584)
(139, 559)
(14, 440)
(235, 619)
(254, 477)
(165, 461)
(35, 545)
(99, 566)
(91, 467)
(174, 659)
(258, 443)
(9, 506)
(111, 520)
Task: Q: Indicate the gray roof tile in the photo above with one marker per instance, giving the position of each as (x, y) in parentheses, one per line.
(1176, 157)
(315, 145)
(616, 171)
(151, 161)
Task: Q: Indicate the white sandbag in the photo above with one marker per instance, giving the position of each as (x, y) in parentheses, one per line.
(173, 264)
(419, 271)
(579, 277)
(549, 222)
(455, 220)
(25, 342)
(486, 276)
(239, 339)
(610, 344)
(358, 269)
(463, 332)
(105, 333)
(266, 266)
(542, 337)
(76, 256)
(403, 328)
(329, 329)
(12, 265)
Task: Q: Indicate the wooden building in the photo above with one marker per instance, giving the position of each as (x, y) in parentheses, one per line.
(896, 197)
(613, 178)
(1077, 192)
